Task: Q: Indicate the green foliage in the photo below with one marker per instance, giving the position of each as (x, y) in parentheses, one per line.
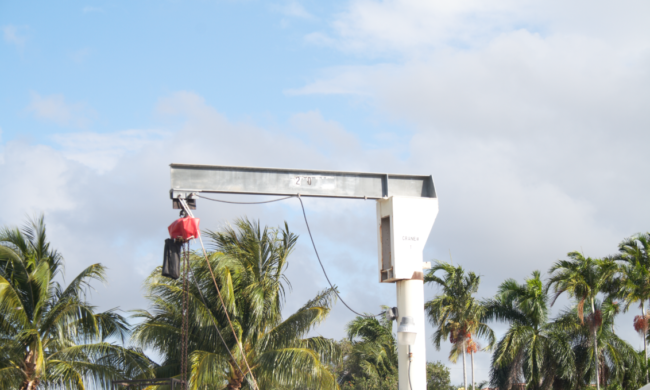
(583, 278)
(362, 383)
(619, 363)
(249, 264)
(455, 312)
(369, 354)
(633, 284)
(50, 336)
(533, 347)
(438, 377)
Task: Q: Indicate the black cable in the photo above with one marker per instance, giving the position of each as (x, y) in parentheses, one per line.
(323, 268)
(312, 243)
(215, 326)
(225, 201)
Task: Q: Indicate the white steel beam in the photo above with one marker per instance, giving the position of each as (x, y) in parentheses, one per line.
(186, 179)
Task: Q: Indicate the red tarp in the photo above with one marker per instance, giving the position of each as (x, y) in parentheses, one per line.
(184, 228)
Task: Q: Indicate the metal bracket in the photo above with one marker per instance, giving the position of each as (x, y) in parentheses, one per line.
(188, 196)
(392, 314)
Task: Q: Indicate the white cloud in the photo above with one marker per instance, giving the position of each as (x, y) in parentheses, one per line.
(294, 9)
(327, 136)
(503, 212)
(102, 151)
(13, 36)
(54, 108)
(2, 155)
(413, 27)
(532, 117)
(110, 191)
(532, 120)
(343, 80)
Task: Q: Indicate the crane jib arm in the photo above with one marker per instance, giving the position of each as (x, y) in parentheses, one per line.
(188, 178)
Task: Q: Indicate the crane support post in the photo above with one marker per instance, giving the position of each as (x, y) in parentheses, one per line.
(188, 178)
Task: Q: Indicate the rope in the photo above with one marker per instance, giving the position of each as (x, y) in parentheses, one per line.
(185, 262)
(225, 310)
(216, 327)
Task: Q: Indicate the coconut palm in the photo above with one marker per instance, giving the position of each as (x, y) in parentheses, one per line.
(373, 351)
(583, 278)
(634, 282)
(455, 312)
(249, 264)
(532, 347)
(616, 360)
(50, 336)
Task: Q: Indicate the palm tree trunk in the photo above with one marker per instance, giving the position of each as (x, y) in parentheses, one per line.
(645, 344)
(29, 368)
(596, 360)
(471, 355)
(464, 369)
(26, 385)
(29, 385)
(235, 383)
(237, 380)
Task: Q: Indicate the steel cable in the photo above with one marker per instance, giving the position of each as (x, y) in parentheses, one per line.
(227, 201)
(185, 314)
(216, 327)
(225, 310)
(323, 267)
(312, 242)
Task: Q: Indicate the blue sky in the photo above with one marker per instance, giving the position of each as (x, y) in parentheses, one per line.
(114, 61)
(531, 115)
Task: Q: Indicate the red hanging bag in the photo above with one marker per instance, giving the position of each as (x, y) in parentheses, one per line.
(184, 228)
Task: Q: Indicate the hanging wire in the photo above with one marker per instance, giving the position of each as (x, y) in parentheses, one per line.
(225, 310)
(185, 313)
(216, 327)
(226, 201)
(323, 267)
(312, 243)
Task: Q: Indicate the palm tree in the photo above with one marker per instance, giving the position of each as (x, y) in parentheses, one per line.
(634, 253)
(373, 352)
(472, 348)
(49, 335)
(532, 346)
(617, 361)
(456, 312)
(249, 264)
(582, 278)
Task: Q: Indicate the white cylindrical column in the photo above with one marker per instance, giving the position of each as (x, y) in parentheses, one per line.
(410, 302)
